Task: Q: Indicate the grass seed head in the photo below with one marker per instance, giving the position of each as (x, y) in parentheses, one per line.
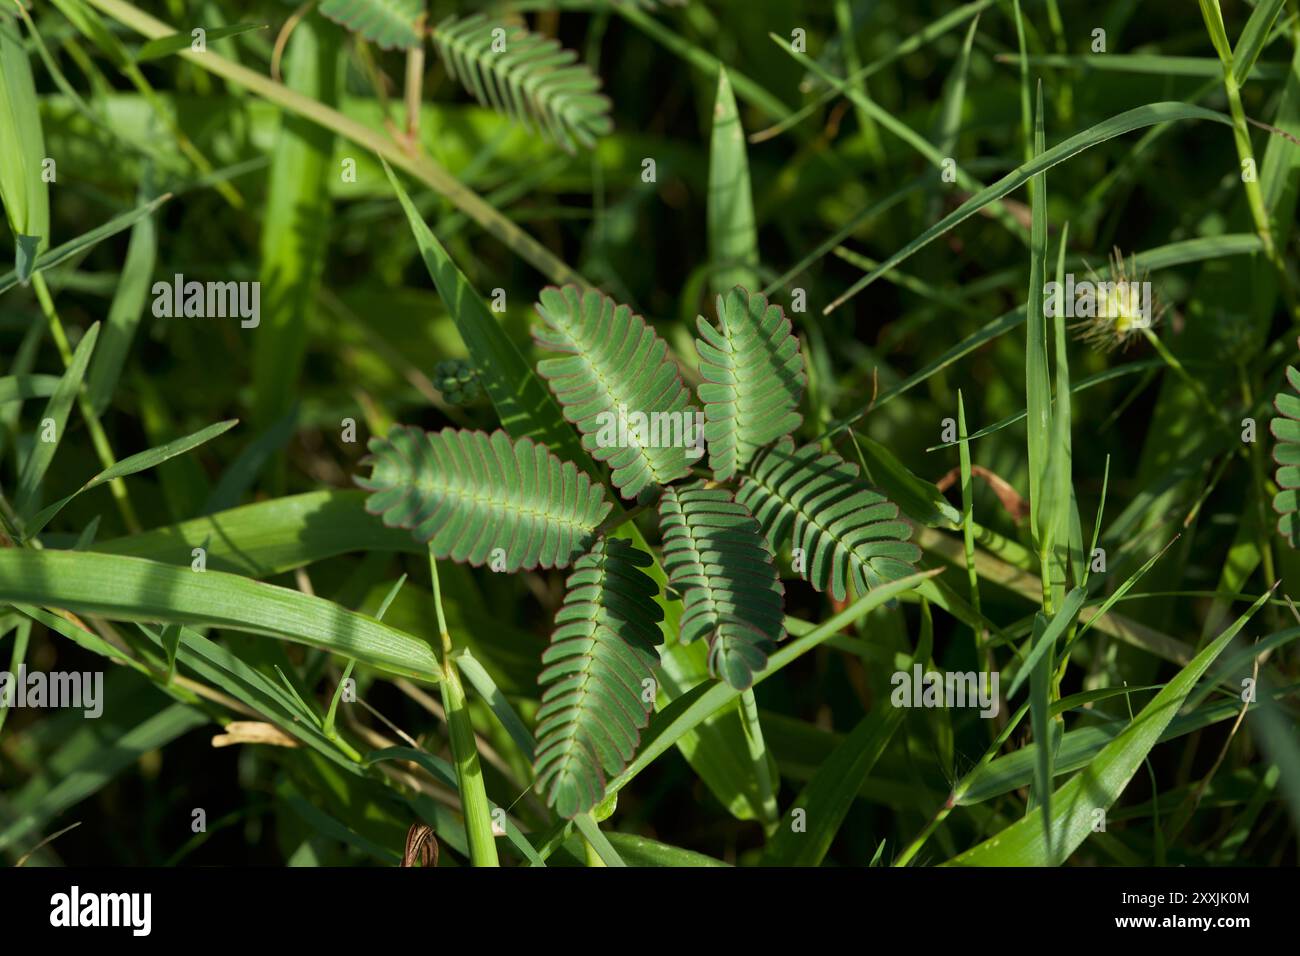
(1125, 306)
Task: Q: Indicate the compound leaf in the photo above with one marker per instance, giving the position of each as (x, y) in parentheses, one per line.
(388, 23)
(846, 530)
(1286, 454)
(475, 497)
(617, 384)
(594, 704)
(528, 77)
(716, 559)
(753, 379)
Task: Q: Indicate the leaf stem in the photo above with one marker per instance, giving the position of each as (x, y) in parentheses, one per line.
(1169, 359)
(1241, 137)
(758, 757)
(464, 751)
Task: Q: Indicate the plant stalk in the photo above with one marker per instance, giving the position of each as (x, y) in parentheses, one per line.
(469, 775)
(758, 757)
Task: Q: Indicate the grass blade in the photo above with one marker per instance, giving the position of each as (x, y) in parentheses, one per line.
(54, 421)
(129, 466)
(523, 403)
(1149, 115)
(166, 46)
(1104, 779)
(86, 241)
(733, 235)
(295, 229)
(133, 589)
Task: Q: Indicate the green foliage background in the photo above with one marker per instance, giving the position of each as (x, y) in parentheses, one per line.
(198, 171)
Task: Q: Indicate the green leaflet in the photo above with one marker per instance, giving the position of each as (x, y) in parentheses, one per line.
(525, 76)
(753, 379)
(388, 23)
(614, 382)
(1286, 454)
(845, 530)
(23, 189)
(479, 498)
(716, 559)
(602, 653)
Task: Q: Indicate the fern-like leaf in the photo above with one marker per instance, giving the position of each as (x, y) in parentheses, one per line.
(753, 379)
(1286, 454)
(388, 23)
(618, 385)
(474, 497)
(528, 77)
(594, 702)
(716, 559)
(846, 530)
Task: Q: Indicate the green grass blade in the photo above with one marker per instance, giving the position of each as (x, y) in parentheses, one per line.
(523, 403)
(24, 191)
(694, 707)
(1254, 36)
(86, 241)
(133, 589)
(827, 797)
(22, 634)
(1142, 116)
(733, 235)
(1047, 637)
(1104, 779)
(590, 831)
(1038, 390)
(130, 466)
(124, 313)
(16, 388)
(166, 46)
(55, 419)
(271, 537)
(296, 224)
(1195, 67)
